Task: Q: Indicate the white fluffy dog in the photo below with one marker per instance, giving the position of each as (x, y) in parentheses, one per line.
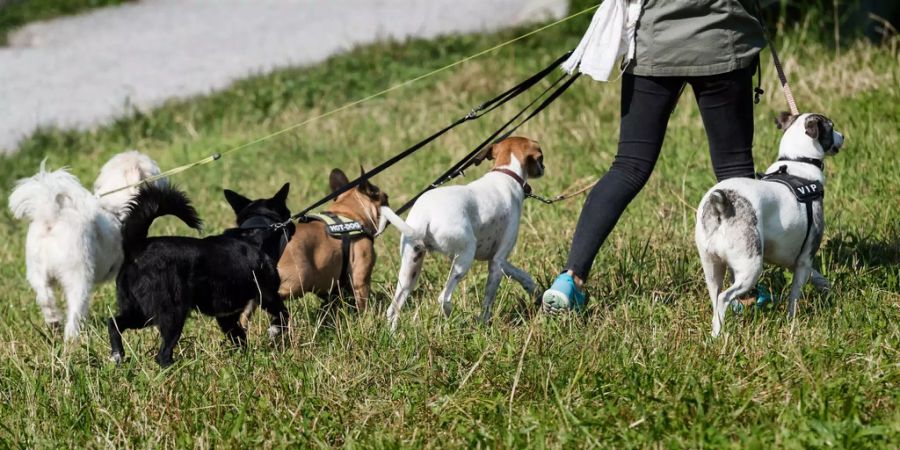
(74, 238)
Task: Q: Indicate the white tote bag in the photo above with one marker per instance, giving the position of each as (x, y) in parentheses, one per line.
(609, 37)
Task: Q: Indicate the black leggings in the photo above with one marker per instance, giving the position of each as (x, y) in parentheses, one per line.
(726, 106)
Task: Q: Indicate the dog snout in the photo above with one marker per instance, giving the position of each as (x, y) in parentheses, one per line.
(838, 141)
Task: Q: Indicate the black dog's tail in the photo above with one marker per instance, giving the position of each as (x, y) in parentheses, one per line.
(152, 202)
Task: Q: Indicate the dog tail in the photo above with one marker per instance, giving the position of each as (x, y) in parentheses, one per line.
(722, 207)
(718, 208)
(398, 222)
(152, 202)
(42, 197)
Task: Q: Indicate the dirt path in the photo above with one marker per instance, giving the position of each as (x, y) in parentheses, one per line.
(82, 71)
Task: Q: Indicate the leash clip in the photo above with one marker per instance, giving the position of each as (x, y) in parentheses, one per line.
(280, 225)
(757, 91)
(473, 114)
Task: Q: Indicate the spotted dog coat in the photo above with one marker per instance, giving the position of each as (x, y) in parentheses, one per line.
(742, 223)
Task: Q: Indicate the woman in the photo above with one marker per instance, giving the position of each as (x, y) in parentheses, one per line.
(712, 45)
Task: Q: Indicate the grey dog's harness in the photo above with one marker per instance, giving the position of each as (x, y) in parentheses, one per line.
(806, 192)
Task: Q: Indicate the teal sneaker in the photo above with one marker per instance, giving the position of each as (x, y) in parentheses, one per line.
(764, 298)
(563, 295)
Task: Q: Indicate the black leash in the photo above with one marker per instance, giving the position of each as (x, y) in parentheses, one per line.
(476, 113)
(498, 135)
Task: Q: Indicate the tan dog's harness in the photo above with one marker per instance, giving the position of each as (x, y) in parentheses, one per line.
(345, 229)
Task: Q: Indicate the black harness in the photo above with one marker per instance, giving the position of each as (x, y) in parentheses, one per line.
(806, 191)
(345, 229)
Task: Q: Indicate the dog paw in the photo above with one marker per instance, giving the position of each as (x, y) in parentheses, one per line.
(117, 358)
(71, 332)
(447, 307)
(164, 362)
(275, 331)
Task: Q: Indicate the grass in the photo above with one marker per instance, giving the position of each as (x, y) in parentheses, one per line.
(637, 370)
(15, 13)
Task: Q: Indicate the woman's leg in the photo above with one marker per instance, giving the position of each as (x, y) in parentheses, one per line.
(646, 105)
(726, 105)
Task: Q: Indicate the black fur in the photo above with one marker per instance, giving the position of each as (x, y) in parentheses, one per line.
(163, 278)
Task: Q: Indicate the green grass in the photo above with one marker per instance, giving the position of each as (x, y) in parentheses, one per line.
(16, 13)
(638, 370)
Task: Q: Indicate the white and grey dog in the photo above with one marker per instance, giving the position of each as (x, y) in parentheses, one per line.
(742, 222)
(74, 240)
(478, 221)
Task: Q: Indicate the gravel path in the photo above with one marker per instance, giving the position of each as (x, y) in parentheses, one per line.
(82, 71)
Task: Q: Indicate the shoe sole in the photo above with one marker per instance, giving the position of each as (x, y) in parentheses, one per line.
(553, 302)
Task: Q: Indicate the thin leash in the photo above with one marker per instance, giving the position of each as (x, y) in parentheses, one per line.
(785, 87)
(218, 155)
(565, 195)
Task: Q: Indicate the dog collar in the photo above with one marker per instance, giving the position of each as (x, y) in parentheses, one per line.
(820, 163)
(521, 181)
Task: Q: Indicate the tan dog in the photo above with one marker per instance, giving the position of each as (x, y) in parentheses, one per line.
(314, 260)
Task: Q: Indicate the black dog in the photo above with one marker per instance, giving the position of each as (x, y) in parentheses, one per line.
(163, 278)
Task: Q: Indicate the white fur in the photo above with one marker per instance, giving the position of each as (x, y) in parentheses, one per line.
(781, 227)
(477, 221)
(74, 238)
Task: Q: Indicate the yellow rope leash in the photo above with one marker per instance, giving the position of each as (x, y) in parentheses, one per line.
(216, 156)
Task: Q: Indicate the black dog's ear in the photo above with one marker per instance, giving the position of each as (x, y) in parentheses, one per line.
(281, 195)
(337, 179)
(237, 201)
(784, 120)
(812, 126)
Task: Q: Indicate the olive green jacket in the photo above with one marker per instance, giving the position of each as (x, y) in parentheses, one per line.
(695, 38)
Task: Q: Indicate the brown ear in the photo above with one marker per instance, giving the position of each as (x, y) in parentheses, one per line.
(812, 126)
(337, 179)
(784, 120)
(365, 186)
(485, 153)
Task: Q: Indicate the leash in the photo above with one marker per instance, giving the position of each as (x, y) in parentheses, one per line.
(218, 155)
(785, 87)
(476, 113)
(564, 196)
(501, 133)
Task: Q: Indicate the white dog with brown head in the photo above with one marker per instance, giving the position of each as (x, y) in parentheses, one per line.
(477, 221)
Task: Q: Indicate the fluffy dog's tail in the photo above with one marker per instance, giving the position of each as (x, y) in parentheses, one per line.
(398, 222)
(152, 202)
(42, 197)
